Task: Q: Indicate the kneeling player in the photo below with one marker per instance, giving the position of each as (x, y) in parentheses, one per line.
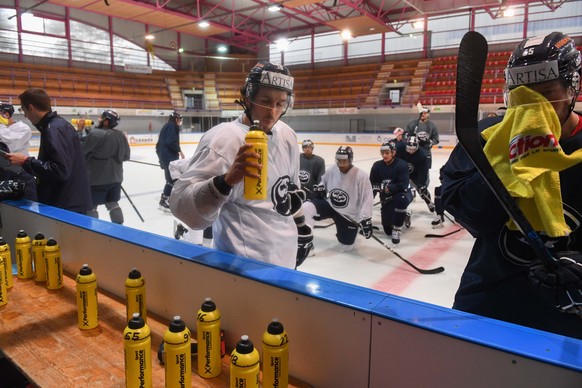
(390, 178)
(345, 195)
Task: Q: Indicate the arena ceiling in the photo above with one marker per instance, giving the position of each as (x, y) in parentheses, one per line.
(248, 24)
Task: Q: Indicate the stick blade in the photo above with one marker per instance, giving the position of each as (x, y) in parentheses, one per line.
(470, 68)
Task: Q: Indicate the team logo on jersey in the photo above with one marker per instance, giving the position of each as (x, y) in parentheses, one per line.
(523, 146)
(515, 247)
(339, 199)
(304, 176)
(423, 136)
(279, 196)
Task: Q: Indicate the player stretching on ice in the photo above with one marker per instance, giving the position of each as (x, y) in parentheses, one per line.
(345, 195)
(390, 178)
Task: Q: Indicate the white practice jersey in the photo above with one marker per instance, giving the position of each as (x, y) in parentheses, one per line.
(16, 137)
(247, 228)
(349, 194)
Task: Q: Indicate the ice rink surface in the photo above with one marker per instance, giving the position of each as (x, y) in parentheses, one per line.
(369, 264)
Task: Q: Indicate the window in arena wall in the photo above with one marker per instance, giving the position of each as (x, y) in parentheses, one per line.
(46, 37)
(328, 47)
(89, 44)
(365, 46)
(567, 19)
(8, 34)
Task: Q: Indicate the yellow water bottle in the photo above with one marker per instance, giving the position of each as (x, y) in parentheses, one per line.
(38, 261)
(53, 263)
(5, 254)
(23, 248)
(87, 307)
(244, 364)
(208, 336)
(178, 363)
(137, 351)
(3, 289)
(135, 295)
(275, 356)
(256, 189)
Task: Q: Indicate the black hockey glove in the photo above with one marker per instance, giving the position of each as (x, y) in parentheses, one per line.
(563, 284)
(319, 191)
(376, 189)
(292, 204)
(304, 239)
(366, 228)
(11, 189)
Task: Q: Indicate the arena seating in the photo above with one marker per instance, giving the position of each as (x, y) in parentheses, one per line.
(85, 88)
(431, 81)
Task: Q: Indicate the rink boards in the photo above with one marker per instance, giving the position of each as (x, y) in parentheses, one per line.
(341, 335)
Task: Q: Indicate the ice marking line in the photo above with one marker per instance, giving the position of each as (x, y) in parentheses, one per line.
(426, 255)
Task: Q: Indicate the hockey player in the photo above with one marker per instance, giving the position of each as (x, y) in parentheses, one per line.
(168, 149)
(345, 195)
(503, 279)
(415, 156)
(390, 178)
(105, 149)
(425, 131)
(60, 167)
(15, 134)
(311, 168)
(211, 191)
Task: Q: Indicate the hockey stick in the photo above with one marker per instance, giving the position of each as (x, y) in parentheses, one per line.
(424, 197)
(149, 164)
(470, 69)
(130, 201)
(419, 270)
(323, 226)
(443, 235)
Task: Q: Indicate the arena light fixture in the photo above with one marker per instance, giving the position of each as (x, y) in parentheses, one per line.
(222, 49)
(346, 34)
(418, 24)
(282, 44)
(203, 24)
(150, 37)
(509, 12)
(275, 7)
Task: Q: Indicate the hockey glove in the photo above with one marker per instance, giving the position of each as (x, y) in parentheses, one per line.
(376, 189)
(292, 204)
(366, 228)
(385, 186)
(304, 239)
(11, 189)
(319, 191)
(563, 284)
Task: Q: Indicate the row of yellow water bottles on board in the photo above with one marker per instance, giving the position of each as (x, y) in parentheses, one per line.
(40, 259)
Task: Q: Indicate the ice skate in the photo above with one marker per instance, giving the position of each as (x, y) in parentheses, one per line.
(164, 204)
(396, 233)
(438, 221)
(407, 221)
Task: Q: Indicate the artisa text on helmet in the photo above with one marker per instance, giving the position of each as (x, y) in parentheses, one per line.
(277, 80)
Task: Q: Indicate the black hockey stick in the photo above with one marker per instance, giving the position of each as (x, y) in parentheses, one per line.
(443, 235)
(424, 197)
(323, 226)
(130, 201)
(470, 69)
(419, 270)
